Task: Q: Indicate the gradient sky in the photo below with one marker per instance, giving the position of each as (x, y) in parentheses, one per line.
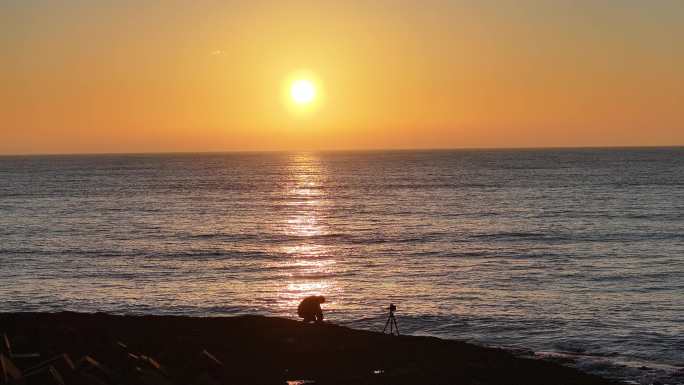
(150, 76)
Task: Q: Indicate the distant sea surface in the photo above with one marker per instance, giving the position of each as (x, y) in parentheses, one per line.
(576, 255)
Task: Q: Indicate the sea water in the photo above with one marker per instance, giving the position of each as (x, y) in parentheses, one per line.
(573, 254)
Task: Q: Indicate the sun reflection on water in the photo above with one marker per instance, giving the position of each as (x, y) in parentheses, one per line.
(304, 226)
(311, 268)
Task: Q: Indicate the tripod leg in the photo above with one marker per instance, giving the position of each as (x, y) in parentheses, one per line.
(387, 323)
(394, 320)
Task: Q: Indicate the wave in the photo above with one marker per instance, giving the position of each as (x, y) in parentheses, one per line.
(510, 235)
(143, 254)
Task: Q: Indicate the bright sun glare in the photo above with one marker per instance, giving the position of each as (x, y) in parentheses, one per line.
(302, 91)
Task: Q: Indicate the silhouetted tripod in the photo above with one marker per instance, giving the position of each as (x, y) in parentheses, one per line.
(391, 321)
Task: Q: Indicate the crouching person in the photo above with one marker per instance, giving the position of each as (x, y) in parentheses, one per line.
(310, 309)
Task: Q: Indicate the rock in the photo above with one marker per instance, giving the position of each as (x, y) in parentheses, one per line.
(8, 371)
(46, 375)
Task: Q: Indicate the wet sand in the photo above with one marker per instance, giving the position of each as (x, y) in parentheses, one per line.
(255, 350)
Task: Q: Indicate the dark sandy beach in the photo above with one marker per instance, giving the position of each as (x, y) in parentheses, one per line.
(252, 350)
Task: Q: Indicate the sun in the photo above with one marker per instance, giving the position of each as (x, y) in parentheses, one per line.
(303, 91)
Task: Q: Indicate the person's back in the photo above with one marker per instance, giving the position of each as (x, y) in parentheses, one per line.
(310, 308)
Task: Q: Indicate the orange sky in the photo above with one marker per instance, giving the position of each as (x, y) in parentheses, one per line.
(149, 76)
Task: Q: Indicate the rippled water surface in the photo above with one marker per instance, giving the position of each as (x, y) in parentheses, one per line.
(577, 254)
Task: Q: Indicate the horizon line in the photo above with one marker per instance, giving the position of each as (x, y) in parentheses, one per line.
(379, 149)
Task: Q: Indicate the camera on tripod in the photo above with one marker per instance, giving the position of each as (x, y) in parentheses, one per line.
(391, 321)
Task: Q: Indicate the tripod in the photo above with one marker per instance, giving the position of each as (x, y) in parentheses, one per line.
(392, 323)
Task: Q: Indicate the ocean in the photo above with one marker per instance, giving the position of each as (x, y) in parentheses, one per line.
(575, 255)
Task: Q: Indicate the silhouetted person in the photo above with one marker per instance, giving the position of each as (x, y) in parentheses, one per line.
(310, 308)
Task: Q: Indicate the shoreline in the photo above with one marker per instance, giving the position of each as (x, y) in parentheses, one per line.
(254, 349)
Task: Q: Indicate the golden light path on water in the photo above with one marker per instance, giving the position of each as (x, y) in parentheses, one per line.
(309, 263)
